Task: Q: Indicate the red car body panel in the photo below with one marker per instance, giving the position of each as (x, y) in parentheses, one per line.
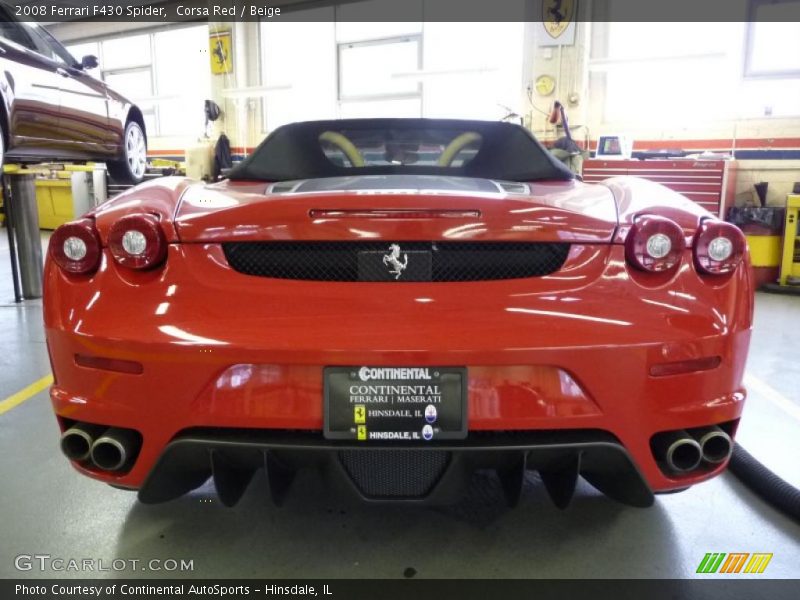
(554, 212)
(570, 350)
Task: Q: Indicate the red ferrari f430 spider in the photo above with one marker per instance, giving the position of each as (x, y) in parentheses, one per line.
(399, 302)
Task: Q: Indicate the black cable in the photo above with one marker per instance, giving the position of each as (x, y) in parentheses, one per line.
(781, 494)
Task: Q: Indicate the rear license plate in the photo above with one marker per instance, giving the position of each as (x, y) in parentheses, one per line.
(373, 404)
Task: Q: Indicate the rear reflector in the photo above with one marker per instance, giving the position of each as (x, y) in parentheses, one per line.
(393, 214)
(685, 366)
(109, 364)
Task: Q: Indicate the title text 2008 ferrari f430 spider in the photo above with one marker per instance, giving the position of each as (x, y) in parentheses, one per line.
(399, 303)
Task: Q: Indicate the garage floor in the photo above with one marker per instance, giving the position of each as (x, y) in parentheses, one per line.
(47, 508)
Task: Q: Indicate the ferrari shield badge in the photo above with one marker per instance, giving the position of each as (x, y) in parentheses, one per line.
(557, 16)
(392, 260)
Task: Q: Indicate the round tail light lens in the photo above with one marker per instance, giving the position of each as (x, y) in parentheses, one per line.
(137, 242)
(75, 247)
(654, 244)
(718, 247)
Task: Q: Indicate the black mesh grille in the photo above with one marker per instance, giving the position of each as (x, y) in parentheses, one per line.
(427, 261)
(395, 473)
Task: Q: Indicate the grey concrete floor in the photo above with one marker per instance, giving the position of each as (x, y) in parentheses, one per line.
(47, 508)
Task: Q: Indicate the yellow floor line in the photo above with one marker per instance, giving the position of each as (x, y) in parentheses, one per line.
(766, 391)
(25, 394)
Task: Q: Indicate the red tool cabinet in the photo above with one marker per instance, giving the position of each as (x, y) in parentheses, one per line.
(710, 183)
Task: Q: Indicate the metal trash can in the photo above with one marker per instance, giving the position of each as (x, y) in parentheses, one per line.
(25, 214)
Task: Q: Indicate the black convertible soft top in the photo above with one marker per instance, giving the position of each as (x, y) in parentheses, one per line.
(315, 149)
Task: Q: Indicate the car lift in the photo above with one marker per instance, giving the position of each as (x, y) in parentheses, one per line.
(22, 220)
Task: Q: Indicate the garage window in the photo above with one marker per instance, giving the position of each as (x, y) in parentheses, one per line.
(85, 49)
(303, 88)
(692, 73)
(165, 73)
(374, 69)
(125, 63)
(663, 69)
(773, 40)
(341, 67)
(182, 79)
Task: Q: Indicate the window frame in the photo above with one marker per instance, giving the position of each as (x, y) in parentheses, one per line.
(61, 54)
(152, 65)
(30, 45)
(749, 72)
(37, 39)
(599, 111)
(413, 37)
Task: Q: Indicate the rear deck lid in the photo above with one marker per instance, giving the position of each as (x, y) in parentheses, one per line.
(397, 207)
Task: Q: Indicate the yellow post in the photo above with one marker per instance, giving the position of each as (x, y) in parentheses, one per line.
(790, 269)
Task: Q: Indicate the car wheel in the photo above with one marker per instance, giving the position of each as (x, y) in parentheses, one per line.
(130, 168)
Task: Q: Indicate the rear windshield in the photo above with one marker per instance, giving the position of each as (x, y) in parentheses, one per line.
(354, 148)
(317, 149)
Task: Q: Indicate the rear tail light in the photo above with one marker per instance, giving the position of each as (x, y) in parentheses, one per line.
(75, 247)
(718, 247)
(137, 242)
(654, 244)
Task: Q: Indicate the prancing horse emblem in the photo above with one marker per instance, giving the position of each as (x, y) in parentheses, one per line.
(393, 259)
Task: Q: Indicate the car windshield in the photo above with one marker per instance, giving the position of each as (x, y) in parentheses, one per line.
(318, 149)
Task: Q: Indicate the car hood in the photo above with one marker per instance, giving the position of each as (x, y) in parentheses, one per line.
(397, 207)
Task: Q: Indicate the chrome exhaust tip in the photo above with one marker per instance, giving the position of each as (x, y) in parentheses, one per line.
(717, 445)
(679, 451)
(76, 442)
(114, 450)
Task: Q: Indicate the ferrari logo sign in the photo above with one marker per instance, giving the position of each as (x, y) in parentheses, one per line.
(360, 415)
(558, 22)
(392, 260)
(219, 49)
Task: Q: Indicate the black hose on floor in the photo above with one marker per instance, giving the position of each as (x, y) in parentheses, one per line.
(781, 494)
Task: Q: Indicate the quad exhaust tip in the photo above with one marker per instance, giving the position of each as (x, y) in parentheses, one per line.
(76, 442)
(685, 450)
(108, 449)
(114, 450)
(683, 453)
(717, 445)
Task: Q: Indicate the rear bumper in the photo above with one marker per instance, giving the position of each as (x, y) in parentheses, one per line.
(567, 352)
(436, 473)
